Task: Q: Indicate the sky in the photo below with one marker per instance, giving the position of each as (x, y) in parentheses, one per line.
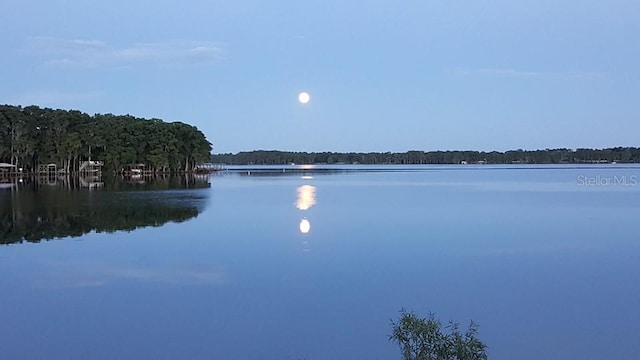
(383, 75)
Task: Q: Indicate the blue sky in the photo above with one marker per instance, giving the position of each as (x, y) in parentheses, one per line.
(383, 75)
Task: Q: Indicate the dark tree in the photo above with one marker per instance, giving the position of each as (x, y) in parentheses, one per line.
(423, 339)
(33, 136)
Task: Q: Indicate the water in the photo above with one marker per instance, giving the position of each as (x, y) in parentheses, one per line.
(273, 263)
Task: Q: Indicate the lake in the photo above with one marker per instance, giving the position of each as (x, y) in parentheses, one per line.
(303, 262)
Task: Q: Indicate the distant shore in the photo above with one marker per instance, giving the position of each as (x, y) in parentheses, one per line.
(615, 155)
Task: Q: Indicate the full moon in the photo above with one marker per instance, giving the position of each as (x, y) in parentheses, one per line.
(304, 97)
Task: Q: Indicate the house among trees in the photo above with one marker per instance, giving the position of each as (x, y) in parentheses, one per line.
(48, 169)
(91, 167)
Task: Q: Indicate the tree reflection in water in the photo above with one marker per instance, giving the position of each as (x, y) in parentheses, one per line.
(33, 210)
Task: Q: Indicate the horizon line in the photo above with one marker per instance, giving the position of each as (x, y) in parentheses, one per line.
(428, 151)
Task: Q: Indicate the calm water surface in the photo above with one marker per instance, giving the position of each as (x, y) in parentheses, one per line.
(312, 263)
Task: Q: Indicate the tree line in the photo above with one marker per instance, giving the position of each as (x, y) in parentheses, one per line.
(547, 156)
(32, 136)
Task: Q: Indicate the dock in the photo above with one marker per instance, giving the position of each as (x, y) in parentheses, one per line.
(9, 170)
(209, 168)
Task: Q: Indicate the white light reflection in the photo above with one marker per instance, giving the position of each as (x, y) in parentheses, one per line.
(306, 197)
(305, 226)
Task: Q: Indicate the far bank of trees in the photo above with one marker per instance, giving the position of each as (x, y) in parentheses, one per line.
(547, 156)
(32, 136)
